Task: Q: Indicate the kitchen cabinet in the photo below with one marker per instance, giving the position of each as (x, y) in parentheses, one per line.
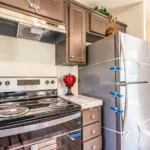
(51, 8)
(77, 34)
(119, 27)
(98, 24)
(22, 4)
(91, 122)
(72, 51)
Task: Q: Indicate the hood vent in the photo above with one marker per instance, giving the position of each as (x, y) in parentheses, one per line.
(25, 32)
(27, 29)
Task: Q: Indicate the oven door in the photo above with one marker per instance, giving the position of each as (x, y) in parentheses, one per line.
(61, 134)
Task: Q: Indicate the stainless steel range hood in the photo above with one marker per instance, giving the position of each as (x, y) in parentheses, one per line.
(21, 26)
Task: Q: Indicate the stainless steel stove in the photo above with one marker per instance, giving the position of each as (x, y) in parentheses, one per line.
(30, 104)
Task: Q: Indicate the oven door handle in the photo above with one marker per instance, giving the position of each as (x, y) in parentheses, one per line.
(34, 127)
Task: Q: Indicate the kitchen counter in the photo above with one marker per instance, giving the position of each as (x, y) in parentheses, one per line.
(84, 101)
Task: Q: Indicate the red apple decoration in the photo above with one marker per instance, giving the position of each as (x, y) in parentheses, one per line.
(69, 81)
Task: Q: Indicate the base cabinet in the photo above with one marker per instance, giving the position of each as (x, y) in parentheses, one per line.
(94, 144)
(91, 136)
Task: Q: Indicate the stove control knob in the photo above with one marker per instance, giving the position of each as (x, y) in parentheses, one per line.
(52, 82)
(47, 82)
(0, 83)
(7, 83)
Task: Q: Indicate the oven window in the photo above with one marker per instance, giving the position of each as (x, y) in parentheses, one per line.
(52, 138)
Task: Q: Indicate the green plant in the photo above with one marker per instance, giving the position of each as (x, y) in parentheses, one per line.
(102, 10)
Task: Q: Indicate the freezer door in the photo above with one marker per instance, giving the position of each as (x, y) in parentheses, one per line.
(137, 68)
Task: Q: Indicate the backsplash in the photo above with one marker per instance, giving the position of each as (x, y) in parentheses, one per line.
(19, 57)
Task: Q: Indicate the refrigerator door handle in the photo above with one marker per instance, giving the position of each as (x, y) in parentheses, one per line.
(124, 83)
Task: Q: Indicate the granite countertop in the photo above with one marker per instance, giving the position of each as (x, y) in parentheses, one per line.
(84, 101)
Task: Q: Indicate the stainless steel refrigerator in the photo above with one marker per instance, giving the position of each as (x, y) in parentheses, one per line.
(118, 72)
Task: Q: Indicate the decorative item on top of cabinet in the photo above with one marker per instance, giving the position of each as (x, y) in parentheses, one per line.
(111, 30)
(72, 51)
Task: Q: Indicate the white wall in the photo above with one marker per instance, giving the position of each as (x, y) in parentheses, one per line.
(19, 57)
(147, 7)
(135, 19)
(148, 31)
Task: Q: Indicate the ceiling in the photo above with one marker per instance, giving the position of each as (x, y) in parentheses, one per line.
(114, 6)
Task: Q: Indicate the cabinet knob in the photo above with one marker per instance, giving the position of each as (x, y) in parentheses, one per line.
(93, 131)
(71, 57)
(93, 116)
(32, 5)
(93, 147)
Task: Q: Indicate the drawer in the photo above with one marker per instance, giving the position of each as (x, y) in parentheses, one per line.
(91, 131)
(94, 144)
(91, 116)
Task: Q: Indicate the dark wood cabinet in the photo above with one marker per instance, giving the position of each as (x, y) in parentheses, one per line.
(53, 9)
(98, 24)
(49, 9)
(72, 51)
(22, 4)
(119, 27)
(77, 34)
(91, 131)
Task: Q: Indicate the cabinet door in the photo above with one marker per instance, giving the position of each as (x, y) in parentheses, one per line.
(77, 34)
(22, 4)
(98, 24)
(119, 27)
(52, 9)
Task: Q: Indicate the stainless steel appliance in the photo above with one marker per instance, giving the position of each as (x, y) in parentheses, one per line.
(31, 111)
(15, 24)
(118, 73)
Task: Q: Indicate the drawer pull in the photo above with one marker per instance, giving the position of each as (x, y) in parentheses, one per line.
(93, 147)
(93, 131)
(93, 117)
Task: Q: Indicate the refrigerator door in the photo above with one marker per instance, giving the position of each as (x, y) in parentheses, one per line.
(98, 80)
(136, 53)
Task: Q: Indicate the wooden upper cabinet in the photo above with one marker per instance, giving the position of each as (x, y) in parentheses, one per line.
(77, 34)
(22, 4)
(119, 27)
(52, 9)
(98, 24)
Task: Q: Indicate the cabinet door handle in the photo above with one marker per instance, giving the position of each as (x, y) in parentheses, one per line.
(93, 131)
(71, 57)
(93, 116)
(32, 5)
(93, 147)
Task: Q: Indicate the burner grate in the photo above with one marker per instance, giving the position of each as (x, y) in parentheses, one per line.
(8, 104)
(13, 111)
(47, 101)
(59, 105)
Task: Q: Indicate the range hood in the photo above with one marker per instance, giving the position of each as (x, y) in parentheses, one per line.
(22, 26)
